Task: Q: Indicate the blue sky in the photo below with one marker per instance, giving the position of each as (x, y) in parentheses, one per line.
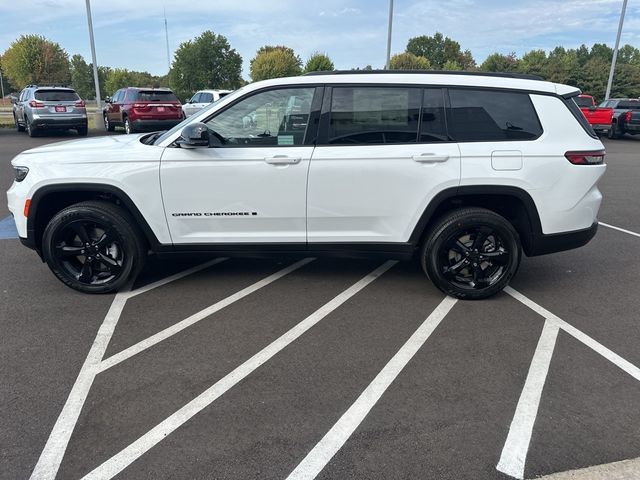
(130, 33)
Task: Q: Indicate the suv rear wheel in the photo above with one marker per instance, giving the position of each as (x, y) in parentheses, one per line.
(471, 253)
(93, 247)
(30, 130)
(127, 126)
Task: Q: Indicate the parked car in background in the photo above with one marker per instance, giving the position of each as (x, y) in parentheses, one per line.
(598, 117)
(201, 99)
(40, 108)
(626, 116)
(139, 109)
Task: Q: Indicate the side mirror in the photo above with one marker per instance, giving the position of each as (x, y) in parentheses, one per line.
(107, 99)
(194, 135)
(14, 100)
(592, 108)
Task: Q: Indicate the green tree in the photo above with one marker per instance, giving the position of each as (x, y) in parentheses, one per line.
(207, 61)
(534, 62)
(497, 62)
(34, 59)
(562, 66)
(118, 78)
(451, 66)
(319, 62)
(82, 77)
(440, 49)
(409, 61)
(275, 62)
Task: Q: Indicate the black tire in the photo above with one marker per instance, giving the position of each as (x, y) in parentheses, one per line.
(30, 130)
(128, 128)
(82, 131)
(612, 133)
(19, 127)
(108, 126)
(93, 247)
(471, 253)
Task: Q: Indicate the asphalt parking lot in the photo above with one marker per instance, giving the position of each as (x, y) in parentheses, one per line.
(325, 368)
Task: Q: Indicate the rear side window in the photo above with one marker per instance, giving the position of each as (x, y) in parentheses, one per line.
(154, 96)
(56, 95)
(484, 115)
(374, 115)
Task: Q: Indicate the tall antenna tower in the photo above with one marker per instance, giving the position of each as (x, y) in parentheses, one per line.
(166, 34)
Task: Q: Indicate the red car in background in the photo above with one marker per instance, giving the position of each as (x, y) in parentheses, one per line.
(142, 109)
(599, 118)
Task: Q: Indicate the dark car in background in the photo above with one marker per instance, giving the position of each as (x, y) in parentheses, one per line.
(142, 109)
(626, 116)
(41, 108)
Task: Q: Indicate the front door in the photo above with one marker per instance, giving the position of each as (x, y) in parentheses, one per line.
(252, 188)
(384, 153)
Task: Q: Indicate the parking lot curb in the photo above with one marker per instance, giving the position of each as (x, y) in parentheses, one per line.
(624, 470)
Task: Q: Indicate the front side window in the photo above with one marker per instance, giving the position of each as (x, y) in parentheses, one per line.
(195, 98)
(271, 118)
(374, 115)
(485, 115)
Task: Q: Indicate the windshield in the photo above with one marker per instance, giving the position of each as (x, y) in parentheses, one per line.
(584, 101)
(56, 95)
(188, 120)
(155, 96)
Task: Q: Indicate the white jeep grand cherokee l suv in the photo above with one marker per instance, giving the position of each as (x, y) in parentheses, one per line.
(462, 171)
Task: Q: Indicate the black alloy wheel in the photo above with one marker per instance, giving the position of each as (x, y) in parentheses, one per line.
(472, 253)
(93, 247)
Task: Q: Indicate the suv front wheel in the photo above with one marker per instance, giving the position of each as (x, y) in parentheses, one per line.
(471, 253)
(93, 247)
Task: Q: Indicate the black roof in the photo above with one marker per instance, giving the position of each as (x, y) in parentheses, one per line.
(523, 76)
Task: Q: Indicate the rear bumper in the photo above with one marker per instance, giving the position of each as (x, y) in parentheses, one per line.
(559, 242)
(155, 124)
(62, 123)
(632, 127)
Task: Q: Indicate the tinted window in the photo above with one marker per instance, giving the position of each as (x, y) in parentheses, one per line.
(374, 115)
(206, 97)
(433, 127)
(56, 95)
(154, 96)
(274, 117)
(583, 102)
(223, 94)
(629, 104)
(483, 115)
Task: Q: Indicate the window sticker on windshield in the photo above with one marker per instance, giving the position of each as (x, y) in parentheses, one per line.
(285, 139)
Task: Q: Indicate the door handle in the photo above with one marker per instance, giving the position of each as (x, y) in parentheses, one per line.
(430, 158)
(282, 160)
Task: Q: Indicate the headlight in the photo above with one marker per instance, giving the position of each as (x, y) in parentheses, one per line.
(20, 173)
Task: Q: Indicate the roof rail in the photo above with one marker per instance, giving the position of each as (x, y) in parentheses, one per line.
(524, 76)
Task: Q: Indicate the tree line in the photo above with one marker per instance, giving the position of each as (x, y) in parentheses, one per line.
(209, 61)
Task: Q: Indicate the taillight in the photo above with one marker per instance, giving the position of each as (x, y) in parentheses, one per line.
(36, 104)
(594, 157)
(80, 104)
(627, 116)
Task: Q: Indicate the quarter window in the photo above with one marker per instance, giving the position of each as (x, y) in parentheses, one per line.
(374, 115)
(483, 115)
(271, 118)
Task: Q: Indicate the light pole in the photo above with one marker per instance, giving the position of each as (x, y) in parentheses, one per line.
(388, 64)
(615, 51)
(98, 114)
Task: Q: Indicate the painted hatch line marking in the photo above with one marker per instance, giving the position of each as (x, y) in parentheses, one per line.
(197, 317)
(8, 228)
(514, 453)
(51, 457)
(131, 453)
(338, 435)
(619, 229)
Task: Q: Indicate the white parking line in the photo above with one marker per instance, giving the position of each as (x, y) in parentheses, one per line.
(53, 452)
(514, 453)
(128, 455)
(196, 317)
(335, 438)
(620, 229)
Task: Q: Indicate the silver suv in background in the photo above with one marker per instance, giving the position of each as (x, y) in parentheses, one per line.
(47, 107)
(202, 99)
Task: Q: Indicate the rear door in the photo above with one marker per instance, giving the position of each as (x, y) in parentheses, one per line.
(382, 155)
